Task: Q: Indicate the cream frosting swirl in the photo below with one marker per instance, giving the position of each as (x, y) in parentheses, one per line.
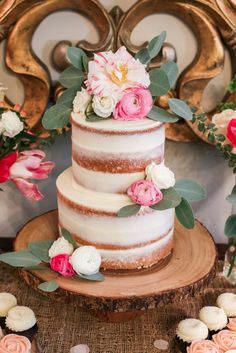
(7, 301)
(227, 301)
(225, 340)
(203, 346)
(15, 344)
(189, 330)
(232, 324)
(214, 317)
(20, 318)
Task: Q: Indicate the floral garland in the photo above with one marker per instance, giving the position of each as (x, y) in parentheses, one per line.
(20, 161)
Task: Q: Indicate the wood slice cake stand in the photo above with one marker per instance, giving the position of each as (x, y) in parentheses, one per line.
(125, 295)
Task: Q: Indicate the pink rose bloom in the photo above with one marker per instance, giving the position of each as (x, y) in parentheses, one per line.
(135, 104)
(203, 346)
(61, 264)
(19, 167)
(225, 340)
(231, 132)
(145, 193)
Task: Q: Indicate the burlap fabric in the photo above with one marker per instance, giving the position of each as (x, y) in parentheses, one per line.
(62, 326)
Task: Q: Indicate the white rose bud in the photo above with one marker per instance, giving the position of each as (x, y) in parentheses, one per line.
(162, 176)
(11, 124)
(60, 246)
(222, 119)
(86, 260)
(81, 101)
(103, 106)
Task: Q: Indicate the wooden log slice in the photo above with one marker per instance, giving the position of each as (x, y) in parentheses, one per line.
(191, 267)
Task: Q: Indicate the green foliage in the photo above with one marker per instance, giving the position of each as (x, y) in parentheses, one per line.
(190, 190)
(145, 55)
(232, 85)
(230, 226)
(171, 199)
(66, 234)
(67, 97)
(159, 82)
(129, 210)
(49, 286)
(56, 117)
(97, 277)
(228, 105)
(71, 77)
(184, 213)
(23, 258)
(162, 115)
(171, 69)
(78, 58)
(40, 249)
(180, 108)
(232, 197)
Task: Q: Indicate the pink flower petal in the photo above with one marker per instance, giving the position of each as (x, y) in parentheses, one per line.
(29, 190)
(42, 171)
(5, 164)
(35, 153)
(81, 348)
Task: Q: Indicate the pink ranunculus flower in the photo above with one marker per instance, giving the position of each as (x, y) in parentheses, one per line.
(145, 193)
(231, 132)
(19, 167)
(135, 104)
(62, 265)
(110, 74)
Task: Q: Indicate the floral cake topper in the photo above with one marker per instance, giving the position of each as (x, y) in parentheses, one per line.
(116, 86)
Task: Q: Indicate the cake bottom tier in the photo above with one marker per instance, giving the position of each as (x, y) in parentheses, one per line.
(124, 243)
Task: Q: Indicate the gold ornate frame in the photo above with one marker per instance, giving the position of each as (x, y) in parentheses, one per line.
(212, 21)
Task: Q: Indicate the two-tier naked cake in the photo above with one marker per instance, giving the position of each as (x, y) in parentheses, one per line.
(115, 148)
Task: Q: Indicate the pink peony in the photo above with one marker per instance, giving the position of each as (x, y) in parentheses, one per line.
(231, 132)
(21, 166)
(110, 74)
(145, 193)
(135, 104)
(62, 265)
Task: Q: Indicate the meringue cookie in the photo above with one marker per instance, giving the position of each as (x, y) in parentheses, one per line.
(214, 317)
(190, 330)
(20, 318)
(7, 301)
(227, 301)
(86, 260)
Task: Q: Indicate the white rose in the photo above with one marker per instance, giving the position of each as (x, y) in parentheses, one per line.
(81, 101)
(86, 260)
(222, 119)
(60, 246)
(161, 175)
(11, 124)
(103, 106)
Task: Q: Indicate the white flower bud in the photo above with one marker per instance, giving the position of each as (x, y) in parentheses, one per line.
(103, 106)
(11, 125)
(162, 176)
(86, 260)
(81, 101)
(60, 246)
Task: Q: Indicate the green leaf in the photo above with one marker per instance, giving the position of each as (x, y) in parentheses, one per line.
(129, 210)
(93, 118)
(67, 97)
(38, 268)
(78, 58)
(232, 197)
(184, 214)
(171, 69)
(159, 82)
(40, 249)
(230, 226)
(22, 258)
(97, 277)
(180, 108)
(190, 190)
(56, 117)
(143, 56)
(170, 199)
(71, 77)
(159, 114)
(220, 137)
(155, 44)
(49, 286)
(66, 234)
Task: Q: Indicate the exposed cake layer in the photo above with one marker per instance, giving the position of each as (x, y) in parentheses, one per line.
(112, 150)
(91, 217)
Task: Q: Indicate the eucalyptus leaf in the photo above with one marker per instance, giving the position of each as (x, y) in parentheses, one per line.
(190, 190)
(184, 214)
(36, 268)
(22, 258)
(93, 118)
(56, 117)
(129, 210)
(170, 199)
(66, 234)
(49, 286)
(71, 77)
(171, 69)
(97, 277)
(180, 108)
(155, 44)
(67, 97)
(143, 56)
(40, 249)
(78, 58)
(230, 226)
(159, 114)
(159, 82)
(232, 197)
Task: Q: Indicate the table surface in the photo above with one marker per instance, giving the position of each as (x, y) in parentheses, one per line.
(62, 326)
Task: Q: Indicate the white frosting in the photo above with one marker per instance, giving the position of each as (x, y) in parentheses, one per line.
(214, 317)
(20, 318)
(227, 301)
(7, 301)
(189, 330)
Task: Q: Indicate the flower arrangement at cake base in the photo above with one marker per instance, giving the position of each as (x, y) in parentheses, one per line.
(62, 256)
